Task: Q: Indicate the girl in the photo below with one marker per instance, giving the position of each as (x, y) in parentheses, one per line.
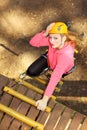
(59, 58)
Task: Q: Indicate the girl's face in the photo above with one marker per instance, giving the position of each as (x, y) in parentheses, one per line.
(56, 40)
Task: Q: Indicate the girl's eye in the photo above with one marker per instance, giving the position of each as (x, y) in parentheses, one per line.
(50, 37)
(55, 38)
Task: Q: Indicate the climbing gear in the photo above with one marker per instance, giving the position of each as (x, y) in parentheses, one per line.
(59, 28)
(22, 75)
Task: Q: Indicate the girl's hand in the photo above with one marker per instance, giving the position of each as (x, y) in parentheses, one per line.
(41, 104)
(49, 27)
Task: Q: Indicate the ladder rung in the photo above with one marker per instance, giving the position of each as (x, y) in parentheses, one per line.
(21, 117)
(35, 88)
(22, 97)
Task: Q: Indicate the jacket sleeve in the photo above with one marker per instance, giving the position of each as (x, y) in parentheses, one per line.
(63, 65)
(39, 40)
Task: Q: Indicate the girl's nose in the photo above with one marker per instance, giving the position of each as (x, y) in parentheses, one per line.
(52, 40)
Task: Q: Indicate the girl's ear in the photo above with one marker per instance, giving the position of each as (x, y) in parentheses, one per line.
(64, 38)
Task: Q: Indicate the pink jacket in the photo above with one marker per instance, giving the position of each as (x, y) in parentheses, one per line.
(60, 61)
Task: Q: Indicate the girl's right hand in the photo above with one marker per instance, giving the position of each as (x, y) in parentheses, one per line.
(49, 27)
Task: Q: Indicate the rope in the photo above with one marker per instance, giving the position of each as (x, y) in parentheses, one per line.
(9, 49)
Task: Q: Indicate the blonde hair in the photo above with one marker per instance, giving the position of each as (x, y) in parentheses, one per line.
(74, 39)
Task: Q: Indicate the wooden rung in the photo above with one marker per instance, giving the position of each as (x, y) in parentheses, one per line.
(22, 97)
(21, 117)
(35, 88)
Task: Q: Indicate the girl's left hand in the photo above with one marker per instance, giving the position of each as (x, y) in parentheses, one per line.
(41, 104)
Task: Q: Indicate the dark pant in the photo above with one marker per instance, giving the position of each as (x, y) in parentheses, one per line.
(38, 67)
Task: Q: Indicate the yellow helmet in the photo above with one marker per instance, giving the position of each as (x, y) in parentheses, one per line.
(59, 28)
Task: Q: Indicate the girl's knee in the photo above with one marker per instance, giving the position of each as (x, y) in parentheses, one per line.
(30, 72)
